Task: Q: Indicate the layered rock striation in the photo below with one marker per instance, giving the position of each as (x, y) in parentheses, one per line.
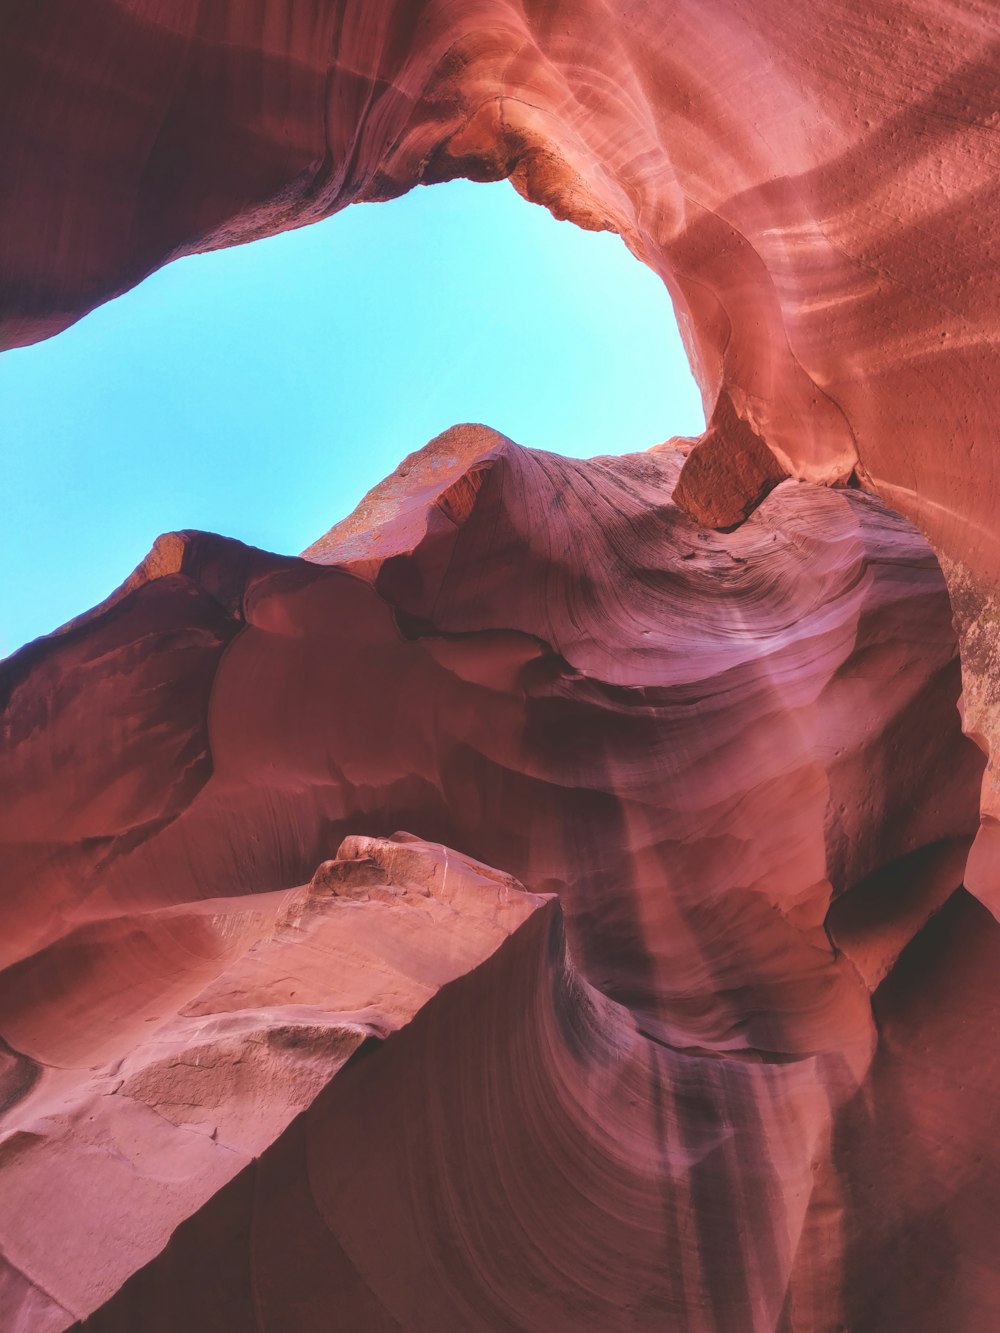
(668, 1008)
(664, 1096)
(812, 182)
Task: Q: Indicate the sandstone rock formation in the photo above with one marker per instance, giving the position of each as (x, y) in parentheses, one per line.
(813, 182)
(208, 1024)
(739, 1076)
(714, 748)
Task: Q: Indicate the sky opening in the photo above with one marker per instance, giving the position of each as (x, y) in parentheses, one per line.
(260, 391)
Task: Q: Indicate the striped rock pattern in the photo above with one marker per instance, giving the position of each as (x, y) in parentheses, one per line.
(740, 1075)
(813, 182)
(665, 1096)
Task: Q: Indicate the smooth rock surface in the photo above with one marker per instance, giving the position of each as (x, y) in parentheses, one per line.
(740, 1076)
(162, 1050)
(814, 183)
(723, 751)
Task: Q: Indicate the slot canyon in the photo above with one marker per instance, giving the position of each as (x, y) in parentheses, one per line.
(566, 896)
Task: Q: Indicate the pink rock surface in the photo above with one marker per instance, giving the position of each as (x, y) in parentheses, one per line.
(205, 1029)
(719, 749)
(678, 1191)
(814, 184)
(752, 1086)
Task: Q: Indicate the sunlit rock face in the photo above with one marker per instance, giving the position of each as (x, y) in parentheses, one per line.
(814, 182)
(539, 906)
(686, 1068)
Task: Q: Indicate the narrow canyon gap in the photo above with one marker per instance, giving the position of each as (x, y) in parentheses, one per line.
(547, 903)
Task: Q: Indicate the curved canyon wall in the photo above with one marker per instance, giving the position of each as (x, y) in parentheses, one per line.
(539, 906)
(812, 182)
(723, 752)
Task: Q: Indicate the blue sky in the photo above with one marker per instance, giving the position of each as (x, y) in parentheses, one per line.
(260, 391)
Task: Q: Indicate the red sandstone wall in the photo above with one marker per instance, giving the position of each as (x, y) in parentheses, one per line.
(814, 183)
(740, 1100)
(717, 749)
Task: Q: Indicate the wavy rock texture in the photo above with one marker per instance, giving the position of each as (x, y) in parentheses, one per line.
(720, 750)
(814, 183)
(753, 1087)
(677, 1191)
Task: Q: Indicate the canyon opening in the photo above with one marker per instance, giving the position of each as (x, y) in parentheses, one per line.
(562, 898)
